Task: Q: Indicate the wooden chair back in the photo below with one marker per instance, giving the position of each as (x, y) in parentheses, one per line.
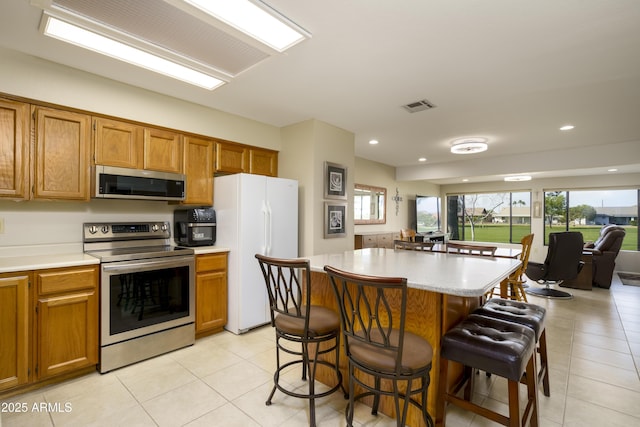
(413, 246)
(408, 235)
(464, 248)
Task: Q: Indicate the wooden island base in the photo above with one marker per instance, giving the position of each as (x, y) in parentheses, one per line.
(429, 315)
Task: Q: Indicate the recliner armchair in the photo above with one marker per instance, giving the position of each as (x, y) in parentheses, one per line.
(563, 262)
(604, 251)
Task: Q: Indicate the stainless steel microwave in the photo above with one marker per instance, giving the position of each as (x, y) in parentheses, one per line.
(123, 183)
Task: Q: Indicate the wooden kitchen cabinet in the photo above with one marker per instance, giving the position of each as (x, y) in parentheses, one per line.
(14, 149)
(211, 293)
(231, 158)
(263, 162)
(198, 167)
(62, 154)
(66, 326)
(162, 150)
(375, 240)
(117, 143)
(14, 329)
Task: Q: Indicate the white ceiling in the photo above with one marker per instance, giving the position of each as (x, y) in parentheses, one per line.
(513, 71)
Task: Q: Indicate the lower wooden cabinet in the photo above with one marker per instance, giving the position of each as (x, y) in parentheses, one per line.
(14, 330)
(375, 240)
(211, 293)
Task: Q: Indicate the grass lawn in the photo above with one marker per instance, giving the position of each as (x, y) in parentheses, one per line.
(499, 233)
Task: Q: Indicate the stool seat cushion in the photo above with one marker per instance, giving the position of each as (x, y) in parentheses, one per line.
(492, 345)
(416, 353)
(526, 314)
(322, 321)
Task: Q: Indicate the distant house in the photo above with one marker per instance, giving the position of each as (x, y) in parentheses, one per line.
(622, 215)
(519, 215)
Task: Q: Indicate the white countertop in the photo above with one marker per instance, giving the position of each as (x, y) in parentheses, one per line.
(200, 250)
(10, 264)
(463, 275)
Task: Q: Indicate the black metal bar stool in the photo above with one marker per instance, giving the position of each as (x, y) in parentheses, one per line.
(505, 349)
(527, 314)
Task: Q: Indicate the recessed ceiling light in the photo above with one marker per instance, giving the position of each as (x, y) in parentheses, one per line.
(465, 180)
(516, 178)
(89, 40)
(469, 145)
(373, 141)
(262, 23)
(612, 170)
(422, 159)
(567, 127)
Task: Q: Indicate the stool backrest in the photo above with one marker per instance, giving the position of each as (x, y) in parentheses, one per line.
(287, 282)
(372, 311)
(413, 246)
(463, 248)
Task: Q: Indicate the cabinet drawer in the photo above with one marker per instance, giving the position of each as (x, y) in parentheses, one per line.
(369, 241)
(55, 281)
(211, 262)
(385, 240)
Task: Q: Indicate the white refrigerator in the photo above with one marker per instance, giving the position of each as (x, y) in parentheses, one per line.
(254, 214)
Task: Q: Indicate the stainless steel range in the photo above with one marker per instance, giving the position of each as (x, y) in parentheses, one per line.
(147, 297)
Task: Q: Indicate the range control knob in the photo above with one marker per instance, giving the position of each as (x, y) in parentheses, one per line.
(93, 229)
(105, 229)
(164, 227)
(155, 227)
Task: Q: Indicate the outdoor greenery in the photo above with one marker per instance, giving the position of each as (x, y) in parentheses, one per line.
(499, 233)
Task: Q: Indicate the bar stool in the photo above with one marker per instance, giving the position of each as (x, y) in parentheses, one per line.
(505, 349)
(315, 328)
(526, 314)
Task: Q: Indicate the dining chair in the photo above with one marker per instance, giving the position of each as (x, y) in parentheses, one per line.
(315, 328)
(513, 286)
(408, 235)
(413, 246)
(377, 345)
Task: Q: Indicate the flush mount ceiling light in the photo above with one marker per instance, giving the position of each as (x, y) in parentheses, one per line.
(373, 141)
(517, 178)
(422, 159)
(567, 127)
(73, 34)
(469, 145)
(255, 19)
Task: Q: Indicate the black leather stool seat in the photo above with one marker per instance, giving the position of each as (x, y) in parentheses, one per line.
(527, 314)
(492, 345)
(523, 313)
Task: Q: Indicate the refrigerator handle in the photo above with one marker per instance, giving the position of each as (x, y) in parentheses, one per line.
(269, 228)
(265, 224)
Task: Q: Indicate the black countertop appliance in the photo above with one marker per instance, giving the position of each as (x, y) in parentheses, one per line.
(195, 226)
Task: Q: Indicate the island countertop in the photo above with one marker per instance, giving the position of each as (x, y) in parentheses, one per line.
(452, 274)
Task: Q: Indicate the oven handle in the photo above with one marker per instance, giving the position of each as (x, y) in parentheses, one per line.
(127, 266)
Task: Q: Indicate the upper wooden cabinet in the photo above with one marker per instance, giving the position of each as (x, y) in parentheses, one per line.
(62, 154)
(198, 167)
(14, 149)
(128, 145)
(231, 158)
(263, 162)
(162, 150)
(117, 143)
(237, 158)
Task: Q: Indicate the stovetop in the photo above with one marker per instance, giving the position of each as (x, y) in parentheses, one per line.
(139, 252)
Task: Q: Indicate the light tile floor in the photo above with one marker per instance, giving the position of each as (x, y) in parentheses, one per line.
(593, 339)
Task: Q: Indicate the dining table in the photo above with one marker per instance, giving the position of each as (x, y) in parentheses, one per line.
(443, 288)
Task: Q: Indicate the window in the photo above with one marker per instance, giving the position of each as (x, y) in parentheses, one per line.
(587, 211)
(489, 217)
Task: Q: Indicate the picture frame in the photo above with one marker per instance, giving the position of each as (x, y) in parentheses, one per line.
(335, 218)
(335, 181)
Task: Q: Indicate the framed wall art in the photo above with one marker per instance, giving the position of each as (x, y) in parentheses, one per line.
(335, 181)
(335, 217)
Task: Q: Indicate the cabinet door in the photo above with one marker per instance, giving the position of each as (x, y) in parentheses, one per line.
(117, 143)
(263, 162)
(231, 158)
(211, 293)
(62, 154)
(14, 149)
(67, 320)
(14, 330)
(198, 167)
(162, 151)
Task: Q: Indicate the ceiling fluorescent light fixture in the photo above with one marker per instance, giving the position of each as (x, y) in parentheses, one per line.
(256, 20)
(469, 145)
(69, 33)
(517, 178)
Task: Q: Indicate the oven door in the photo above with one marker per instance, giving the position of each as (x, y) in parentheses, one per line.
(141, 297)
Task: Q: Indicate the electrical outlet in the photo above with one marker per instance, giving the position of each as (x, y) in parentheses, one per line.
(1, 225)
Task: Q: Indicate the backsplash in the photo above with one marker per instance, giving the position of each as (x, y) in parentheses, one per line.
(53, 223)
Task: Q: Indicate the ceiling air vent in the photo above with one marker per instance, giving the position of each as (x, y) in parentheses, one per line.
(416, 106)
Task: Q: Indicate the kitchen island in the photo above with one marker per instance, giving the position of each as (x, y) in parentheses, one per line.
(443, 289)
